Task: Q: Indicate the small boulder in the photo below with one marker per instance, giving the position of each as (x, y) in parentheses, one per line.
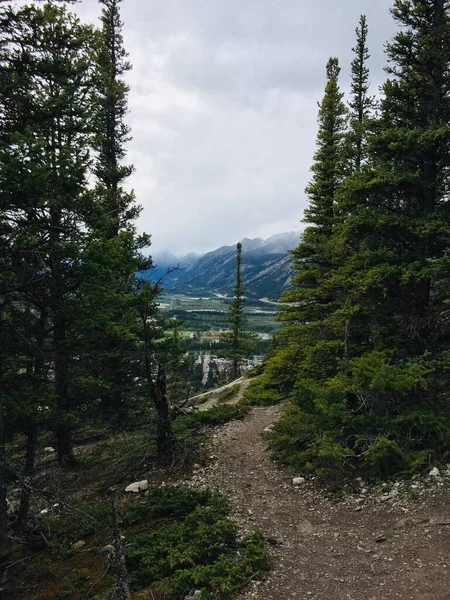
(298, 480)
(137, 486)
(193, 595)
(48, 449)
(107, 550)
(435, 473)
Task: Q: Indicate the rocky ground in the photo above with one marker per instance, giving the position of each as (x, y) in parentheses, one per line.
(382, 544)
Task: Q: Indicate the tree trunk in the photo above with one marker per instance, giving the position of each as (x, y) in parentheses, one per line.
(4, 540)
(122, 587)
(164, 440)
(63, 428)
(25, 498)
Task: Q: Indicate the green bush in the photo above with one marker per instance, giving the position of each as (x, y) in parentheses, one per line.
(173, 503)
(191, 544)
(229, 393)
(263, 392)
(375, 419)
(217, 415)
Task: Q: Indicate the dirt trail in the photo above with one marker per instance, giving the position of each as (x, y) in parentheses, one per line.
(326, 550)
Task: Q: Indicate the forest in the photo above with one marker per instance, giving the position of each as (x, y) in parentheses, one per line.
(94, 376)
(364, 353)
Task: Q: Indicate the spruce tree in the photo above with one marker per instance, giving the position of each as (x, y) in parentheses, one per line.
(401, 226)
(361, 104)
(384, 409)
(239, 341)
(312, 298)
(45, 160)
(113, 252)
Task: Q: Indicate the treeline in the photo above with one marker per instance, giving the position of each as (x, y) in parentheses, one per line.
(365, 351)
(80, 338)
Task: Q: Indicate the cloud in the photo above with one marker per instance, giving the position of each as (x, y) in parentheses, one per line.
(223, 108)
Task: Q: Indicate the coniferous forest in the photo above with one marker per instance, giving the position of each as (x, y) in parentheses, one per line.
(364, 352)
(94, 379)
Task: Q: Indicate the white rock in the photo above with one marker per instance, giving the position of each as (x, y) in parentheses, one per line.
(48, 449)
(435, 473)
(137, 486)
(298, 480)
(133, 487)
(44, 511)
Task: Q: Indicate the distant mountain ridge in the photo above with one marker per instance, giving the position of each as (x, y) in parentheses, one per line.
(266, 268)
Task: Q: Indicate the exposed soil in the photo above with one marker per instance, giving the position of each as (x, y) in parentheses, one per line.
(366, 547)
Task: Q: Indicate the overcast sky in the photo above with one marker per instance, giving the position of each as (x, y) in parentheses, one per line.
(223, 108)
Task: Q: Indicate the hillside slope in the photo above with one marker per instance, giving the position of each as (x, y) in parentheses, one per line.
(266, 268)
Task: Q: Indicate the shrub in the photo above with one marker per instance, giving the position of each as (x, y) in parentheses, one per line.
(197, 548)
(217, 415)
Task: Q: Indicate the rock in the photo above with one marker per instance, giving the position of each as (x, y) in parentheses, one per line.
(193, 595)
(305, 527)
(48, 449)
(78, 545)
(273, 541)
(298, 481)
(137, 486)
(380, 538)
(435, 473)
(44, 511)
(268, 429)
(107, 550)
(404, 523)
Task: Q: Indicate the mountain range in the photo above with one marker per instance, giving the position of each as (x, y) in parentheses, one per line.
(266, 268)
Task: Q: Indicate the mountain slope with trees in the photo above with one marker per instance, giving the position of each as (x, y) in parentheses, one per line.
(266, 268)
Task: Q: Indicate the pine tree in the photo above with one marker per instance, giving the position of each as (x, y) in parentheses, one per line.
(385, 409)
(45, 160)
(238, 339)
(401, 224)
(361, 104)
(312, 298)
(114, 247)
(113, 132)
(156, 353)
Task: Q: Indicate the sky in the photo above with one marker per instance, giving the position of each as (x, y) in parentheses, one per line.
(223, 109)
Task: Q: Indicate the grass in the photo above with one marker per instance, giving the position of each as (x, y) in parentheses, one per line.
(229, 393)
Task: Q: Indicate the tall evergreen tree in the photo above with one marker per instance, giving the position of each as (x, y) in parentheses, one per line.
(311, 299)
(239, 341)
(114, 247)
(361, 104)
(45, 159)
(384, 408)
(400, 210)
